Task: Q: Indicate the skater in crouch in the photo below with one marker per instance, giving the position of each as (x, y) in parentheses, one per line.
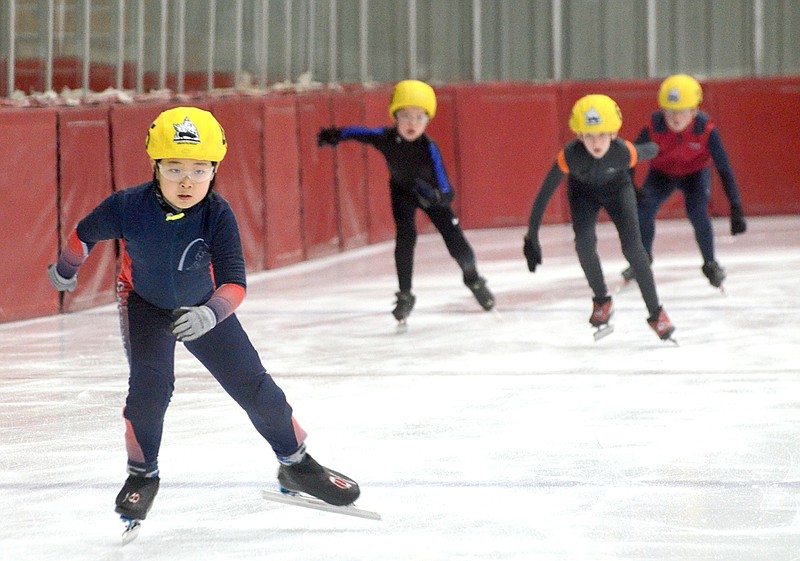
(597, 165)
(688, 142)
(182, 277)
(418, 180)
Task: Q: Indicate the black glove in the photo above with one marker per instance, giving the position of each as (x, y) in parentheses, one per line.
(738, 224)
(330, 136)
(429, 196)
(533, 253)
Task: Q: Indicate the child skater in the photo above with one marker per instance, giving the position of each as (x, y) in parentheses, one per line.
(597, 165)
(417, 181)
(688, 143)
(182, 277)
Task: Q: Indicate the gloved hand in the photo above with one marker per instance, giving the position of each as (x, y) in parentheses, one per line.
(330, 136)
(60, 283)
(738, 224)
(429, 196)
(533, 253)
(193, 322)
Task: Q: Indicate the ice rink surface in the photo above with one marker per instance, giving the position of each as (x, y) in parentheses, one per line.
(478, 436)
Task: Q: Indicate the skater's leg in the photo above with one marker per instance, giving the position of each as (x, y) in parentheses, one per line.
(404, 211)
(228, 354)
(697, 193)
(656, 190)
(584, 223)
(446, 222)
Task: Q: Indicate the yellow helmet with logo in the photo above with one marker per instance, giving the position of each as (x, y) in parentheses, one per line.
(679, 92)
(186, 132)
(413, 93)
(595, 113)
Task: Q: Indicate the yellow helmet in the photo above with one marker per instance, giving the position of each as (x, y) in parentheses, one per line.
(186, 132)
(595, 113)
(680, 91)
(413, 93)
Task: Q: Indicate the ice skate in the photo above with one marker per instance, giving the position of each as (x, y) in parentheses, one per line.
(402, 309)
(310, 478)
(134, 502)
(482, 293)
(714, 273)
(661, 324)
(603, 309)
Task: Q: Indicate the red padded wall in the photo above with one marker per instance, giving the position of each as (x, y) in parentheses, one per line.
(129, 125)
(376, 114)
(759, 123)
(351, 171)
(320, 224)
(85, 181)
(507, 140)
(29, 190)
(240, 180)
(282, 197)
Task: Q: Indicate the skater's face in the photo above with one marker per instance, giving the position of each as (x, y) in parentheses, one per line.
(678, 120)
(184, 182)
(597, 144)
(411, 122)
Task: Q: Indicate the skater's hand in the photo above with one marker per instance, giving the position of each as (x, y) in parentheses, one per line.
(60, 283)
(533, 253)
(330, 136)
(192, 323)
(738, 224)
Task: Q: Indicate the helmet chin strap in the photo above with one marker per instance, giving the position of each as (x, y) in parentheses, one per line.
(170, 211)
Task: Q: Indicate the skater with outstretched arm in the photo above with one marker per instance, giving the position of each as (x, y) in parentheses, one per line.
(182, 277)
(418, 180)
(596, 164)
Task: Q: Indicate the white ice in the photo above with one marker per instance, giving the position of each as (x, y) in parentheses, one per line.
(476, 435)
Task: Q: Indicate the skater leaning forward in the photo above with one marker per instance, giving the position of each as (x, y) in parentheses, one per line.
(417, 180)
(597, 165)
(175, 229)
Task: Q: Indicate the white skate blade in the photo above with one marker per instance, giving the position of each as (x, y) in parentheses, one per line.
(316, 504)
(603, 331)
(402, 327)
(131, 530)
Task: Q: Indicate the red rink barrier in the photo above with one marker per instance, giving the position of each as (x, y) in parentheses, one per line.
(240, 180)
(376, 114)
(129, 125)
(320, 213)
(29, 243)
(282, 197)
(507, 137)
(85, 173)
(351, 171)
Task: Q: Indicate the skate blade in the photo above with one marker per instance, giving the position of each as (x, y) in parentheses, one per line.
(603, 331)
(402, 327)
(294, 498)
(131, 531)
(496, 314)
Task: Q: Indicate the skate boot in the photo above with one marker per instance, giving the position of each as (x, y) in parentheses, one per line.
(307, 476)
(482, 293)
(136, 497)
(714, 273)
(603, 309)
(404, 305)
(661, 324)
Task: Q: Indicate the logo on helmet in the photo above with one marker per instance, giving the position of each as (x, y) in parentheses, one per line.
(186, 133)
(592, 117)
(674, 95)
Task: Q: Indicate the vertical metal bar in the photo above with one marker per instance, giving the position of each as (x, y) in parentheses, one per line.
(652, 39)
(212, 33)
(312, 12)
(363, 40)
(12, 19)
(412, 39)
(120, 43)
(287, 51)
(333, 38)
(477, 40)
(557, 42)
(48, 64)
(237, 48)
(87, 43)
(162, 59)
(140, 47)
(264, 43)
(505, 41)
(181, 46)
(758, 37)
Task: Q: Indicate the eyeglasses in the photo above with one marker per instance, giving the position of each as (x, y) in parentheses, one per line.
(409, 118)
(197, 175)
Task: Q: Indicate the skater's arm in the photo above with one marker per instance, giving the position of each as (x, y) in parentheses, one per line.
(644, 151)
(549, 186)
(331, 136)
(720, 159)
